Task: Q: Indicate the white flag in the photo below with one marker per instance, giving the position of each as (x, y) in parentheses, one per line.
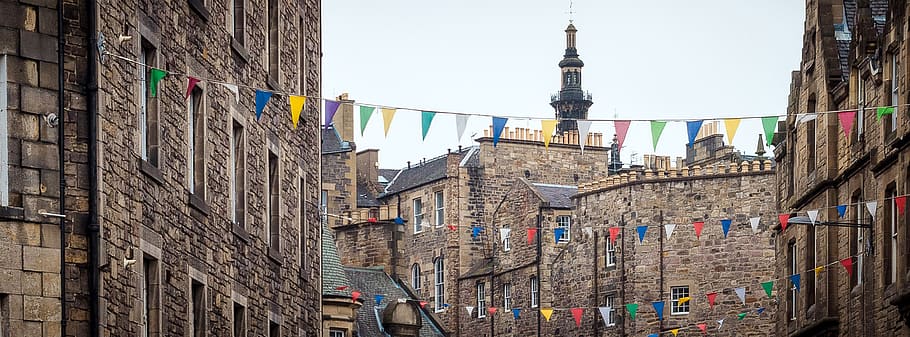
(583, 127)
(741, 292)
(461, 122)
(669, 228)
(605, 313)
(470, 310)
(720, 323)
(872, 206)
(813, 214)
(754, 222)
(233, 88)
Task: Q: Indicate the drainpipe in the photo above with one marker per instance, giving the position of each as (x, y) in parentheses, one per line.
(596, 287)
(61, 117)
(660, 253)
(622, 266)
(539, 222)
(94, 227)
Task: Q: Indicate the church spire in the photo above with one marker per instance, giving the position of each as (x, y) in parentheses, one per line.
(571, 103)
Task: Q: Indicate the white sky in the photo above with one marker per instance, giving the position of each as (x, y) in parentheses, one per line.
(696, 59)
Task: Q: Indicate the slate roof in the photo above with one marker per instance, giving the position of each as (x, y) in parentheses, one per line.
(333, 275)
(388, 175)
(332, 142)
(419, 175)
(372, 281)
(365, 196)
(843, 46)
(559, 196)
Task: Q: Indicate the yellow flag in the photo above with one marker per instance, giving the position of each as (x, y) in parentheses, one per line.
(547, 126)
(387, 115)
(683, 300)
(297, 103)
(547, 312)
(674, 332)
(731, 125)
(819, 270)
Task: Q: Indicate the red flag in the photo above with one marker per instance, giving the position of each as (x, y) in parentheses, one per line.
(846, 121)
(783, 221)
(614, 232)
(491, 310)
(342, 288)
(698, 226)
(622, 127)
(531, 233)
(711, 298)
(191, 83)
(848, 264)
(901, 203)
(423, 304)
(372, 220)
(453, 228)
(576, 312)
(703, 327)
(354, 296)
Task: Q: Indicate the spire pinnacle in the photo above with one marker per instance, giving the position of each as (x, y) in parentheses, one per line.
(571, 11)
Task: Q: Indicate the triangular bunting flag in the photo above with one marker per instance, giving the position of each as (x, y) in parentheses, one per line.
(846, 121)
(605, 314)
(155, 76)
(234, 89)
(622, 128)
(614, 232)
(297, 103)
(547, 126)
(516, 312)
(731, 125)
(659, 309)
(632, 308)
(378, 299)
(795, 280)
(583, 127)
(653, 335)
(883, 110)
(657, 127)
(674, 331)
(683, 300)
(848, 265)
(470, 310)
(491, 310)
(331, 107)
(342, 288)
(754, 223)
(190, 84)
(576, 313)
(741, 293)
(699, 225)
(669, 229)
(475, 231)
(532, 232)
(499, 124)
(354, 296)
(387, 115)
(741, 316)
(546, 312)
(769, 124)
(641, 233)
(703, 327)
(711, 298)
(399, 220)
(452, 227)
(446, 305)
(760, 310)
(426, 118)
(818, 270)
(504, 234)
(841, 210)
(872, 206)
(461, 123)
(768, 286)
(366, 112)
(558, 232)
(692, 127)
(901, 203)
(813, 215)
(720, 324)
(725, 225)
(423, 304)
(262, 98)
(784, 218)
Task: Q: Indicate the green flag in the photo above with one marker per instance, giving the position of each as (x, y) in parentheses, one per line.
(154, 77)
(884, 110)
(657, 127)
(426, 119)
(769, 123)
(741, 316)
(633, 308)
(768, 287)
(365, 113)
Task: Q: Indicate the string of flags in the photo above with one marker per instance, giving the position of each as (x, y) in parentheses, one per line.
(297, 101)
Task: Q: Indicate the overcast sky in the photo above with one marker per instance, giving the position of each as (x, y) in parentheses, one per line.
(643, 59)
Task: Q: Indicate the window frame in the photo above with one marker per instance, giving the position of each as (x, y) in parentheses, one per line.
(273, 40)
(439, 214)
(238, 174)
(335, 332)
(567, 233)
(196, 154)
(610, 253)
(273, 202)
(506, 296)
(675, 307)
(198, 308)
(507, 240)
(891, 266)
(149, 127)
(611, 311)
(150, 295)
(535, 291)
(237, 31)
(439, 284)
(417, 209)
(895, 94)
(415, 277)
(481, 297)
(791, 289)
(238, 329)
(4, 133)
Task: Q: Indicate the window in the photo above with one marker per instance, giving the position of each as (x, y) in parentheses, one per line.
(857, 248)
(890, 242)
(506, 236)
(415, 277)
(440, 209)
(198, 309)
(611, 253)
(611, 313)
(337, 333)
(236, 24)
(274, 329)
(895, 100)
(273, 39)
(675, 294)
(861, 106)
(481, 300)
(150, 297)
(273, 204)
(791, 269)
(324, 206)
(4, 315)
(811, 251)
(148, 105)
(507, 296)
(439, 289)
(565, 222)
(301, 47)
(810, 138)
(4, 138)
(238, 176)
(303, 227)
(535, 292)
(196, 142)
(239, 320)
(418, 216)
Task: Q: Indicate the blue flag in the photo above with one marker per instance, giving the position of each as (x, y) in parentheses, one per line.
(516, 312)
(693, 127)
(378, 299)
(795, 279)
(558, 232)
(659, 308)
(399, 220)
(262, 97)
(760, 310)
(641, 233)
(841, 210)
(475, 231)
(498, 124)
(653, 335)
(725, 223)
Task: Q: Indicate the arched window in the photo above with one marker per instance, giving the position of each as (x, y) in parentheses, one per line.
(439, 281)
(415, 277)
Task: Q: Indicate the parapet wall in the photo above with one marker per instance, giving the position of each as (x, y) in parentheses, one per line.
(745, 167)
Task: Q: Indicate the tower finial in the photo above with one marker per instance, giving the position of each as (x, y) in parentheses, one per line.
(571, 11)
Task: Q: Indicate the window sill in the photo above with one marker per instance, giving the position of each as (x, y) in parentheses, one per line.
(198, 6)
(151, 171)
(272, 83)
(198, 204)
(274, 256)
(240, 50)
(679, 314)
(12, 213)
(240, 233)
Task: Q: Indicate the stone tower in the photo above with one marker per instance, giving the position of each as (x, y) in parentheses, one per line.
(571, 102)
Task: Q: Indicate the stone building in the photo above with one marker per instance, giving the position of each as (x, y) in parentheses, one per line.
(572, 102)
(182, 214)
(854, 61)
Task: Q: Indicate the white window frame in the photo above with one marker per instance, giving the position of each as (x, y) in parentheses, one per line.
(894, 228)
(481, 300)
(507, 296)
(417, 204)
(677, 292)
(565, 221)
(860, 249)
(440, 215)
(507, 240)
(336, 333)
(439, 284)
(324, 206)
(610, 253)
(861, 102)
(143, 102)
(895, 97)
(415, 277)
(535, 292)
(792, 251)
(611, 312)
(4, 133)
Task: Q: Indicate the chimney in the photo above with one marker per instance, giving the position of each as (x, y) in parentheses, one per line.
(368, 165)
(344, 118)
